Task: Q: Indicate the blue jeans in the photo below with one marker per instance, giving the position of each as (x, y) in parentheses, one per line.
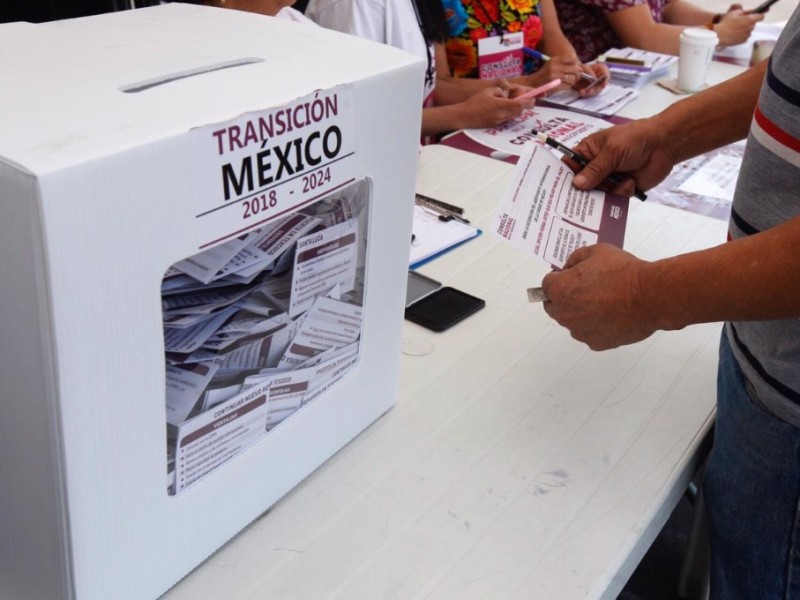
(752, 487)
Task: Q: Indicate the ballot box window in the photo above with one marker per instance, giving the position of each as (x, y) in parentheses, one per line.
(260, 326)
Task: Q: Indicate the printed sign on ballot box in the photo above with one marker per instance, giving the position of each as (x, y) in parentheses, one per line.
(264, 165)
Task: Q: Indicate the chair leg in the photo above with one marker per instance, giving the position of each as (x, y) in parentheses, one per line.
(694, 577)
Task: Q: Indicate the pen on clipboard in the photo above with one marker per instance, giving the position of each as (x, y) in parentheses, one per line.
(446, 212)
(544, 58)
(614, 179)
(448, 207)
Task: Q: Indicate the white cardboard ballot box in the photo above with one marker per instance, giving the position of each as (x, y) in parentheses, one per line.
(135, 146)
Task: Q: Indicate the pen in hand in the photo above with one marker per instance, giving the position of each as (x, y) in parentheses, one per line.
(613, 178)
(544, 58)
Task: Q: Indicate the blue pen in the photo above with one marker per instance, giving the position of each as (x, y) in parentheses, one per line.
(535, 54)
(544, 58)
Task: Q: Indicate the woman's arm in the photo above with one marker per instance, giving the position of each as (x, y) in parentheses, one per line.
(485, 108)
(462, 103)
(564, 63)
(733, 26)
(554, 42)
(635, 26)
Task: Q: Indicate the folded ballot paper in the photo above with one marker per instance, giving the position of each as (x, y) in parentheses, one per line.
(259, 326)
(632, 68)
(543, 215)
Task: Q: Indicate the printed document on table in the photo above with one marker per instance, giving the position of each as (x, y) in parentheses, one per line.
(717, 178)
(508, 140)
(652, 65)
(606, 103)
(703, 184)
(543, 215)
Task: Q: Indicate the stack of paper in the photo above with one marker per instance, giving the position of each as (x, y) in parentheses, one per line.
(631, 67)
(605, 104)
(276, 313)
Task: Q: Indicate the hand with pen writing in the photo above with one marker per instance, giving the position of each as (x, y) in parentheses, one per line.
(586, 79)
(567, 69)
(601, 75)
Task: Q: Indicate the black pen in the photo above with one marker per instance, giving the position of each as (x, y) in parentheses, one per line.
(445, 214)
(613, 179)
(448, 207)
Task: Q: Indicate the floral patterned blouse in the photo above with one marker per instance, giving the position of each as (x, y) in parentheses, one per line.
(471, 20)
(585, 25)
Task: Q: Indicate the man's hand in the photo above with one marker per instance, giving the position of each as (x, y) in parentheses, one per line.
(637, 150)
(597, 297)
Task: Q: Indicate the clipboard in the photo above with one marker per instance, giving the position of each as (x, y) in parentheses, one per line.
(434, 237)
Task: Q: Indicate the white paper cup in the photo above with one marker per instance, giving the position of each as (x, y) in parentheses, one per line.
(697, 48)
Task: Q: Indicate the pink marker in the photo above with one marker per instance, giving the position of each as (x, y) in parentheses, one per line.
(540, 91)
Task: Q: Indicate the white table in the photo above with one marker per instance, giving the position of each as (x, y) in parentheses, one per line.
(654, 98)
(517, 463)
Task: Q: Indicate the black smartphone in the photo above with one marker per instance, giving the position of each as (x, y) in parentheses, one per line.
(763, 7)
(443, 308)
(418, 286)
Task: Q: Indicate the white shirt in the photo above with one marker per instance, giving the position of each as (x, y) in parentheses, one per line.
(391, 22)
(291, 14)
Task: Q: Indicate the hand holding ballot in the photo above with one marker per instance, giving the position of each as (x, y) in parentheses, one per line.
(638, 152)
(581, 299)
(543, 215)
(608, 298)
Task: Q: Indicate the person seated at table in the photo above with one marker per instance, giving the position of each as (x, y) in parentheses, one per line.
(596, 26)
(419, 27)
(271, 8)
(476, 27)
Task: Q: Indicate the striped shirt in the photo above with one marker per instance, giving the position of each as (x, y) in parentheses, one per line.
(768, 194)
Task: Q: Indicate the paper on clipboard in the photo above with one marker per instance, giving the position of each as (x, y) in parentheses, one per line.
(433, 236)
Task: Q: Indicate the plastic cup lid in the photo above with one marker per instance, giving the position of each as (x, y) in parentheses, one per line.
(699, 36)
